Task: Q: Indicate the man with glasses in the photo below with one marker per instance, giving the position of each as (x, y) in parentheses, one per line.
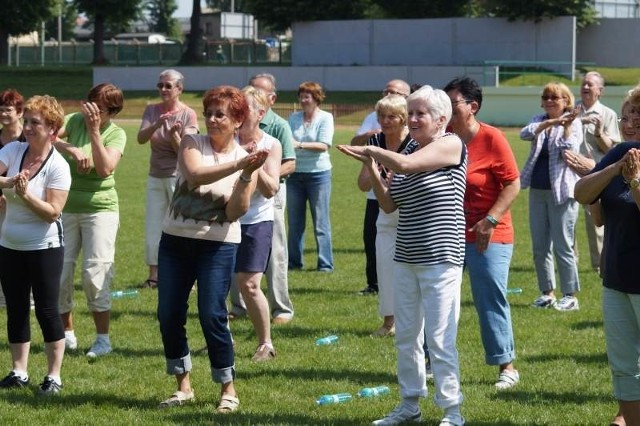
(370, 127)
(600, 129)
(278, 267)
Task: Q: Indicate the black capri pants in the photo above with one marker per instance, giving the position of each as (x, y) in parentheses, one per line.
(22, 271)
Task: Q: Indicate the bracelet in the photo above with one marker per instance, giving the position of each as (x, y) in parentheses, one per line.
(244, 179)
(492, 220)
(300, 146)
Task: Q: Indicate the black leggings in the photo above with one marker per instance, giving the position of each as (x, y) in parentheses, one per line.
(22, 271)
(369, 232)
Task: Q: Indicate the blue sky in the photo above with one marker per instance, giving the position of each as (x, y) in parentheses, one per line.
(185, 8)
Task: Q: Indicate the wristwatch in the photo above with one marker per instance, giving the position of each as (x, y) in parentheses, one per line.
(634, 183)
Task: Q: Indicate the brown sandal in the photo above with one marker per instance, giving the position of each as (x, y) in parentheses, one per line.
(152, 284)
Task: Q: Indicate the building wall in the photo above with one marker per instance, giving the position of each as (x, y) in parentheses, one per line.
(450, 41)
(611, 43)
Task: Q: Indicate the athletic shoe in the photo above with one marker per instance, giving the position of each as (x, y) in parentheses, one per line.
(368, 291)
(544, 301)
(70, 342)
(13, 381)
(567, 303)
(507, 379)
(99, 348)
(399, 415)
(49, 387)
(452, 421)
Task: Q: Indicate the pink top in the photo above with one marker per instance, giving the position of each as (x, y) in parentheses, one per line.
(164, 158)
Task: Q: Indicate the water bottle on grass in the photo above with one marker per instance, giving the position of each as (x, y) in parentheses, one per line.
(514, 290)
(327, 340)
(371, 392)
(333, 399)
(121, 294)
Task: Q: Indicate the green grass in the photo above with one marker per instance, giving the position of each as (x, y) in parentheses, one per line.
(561, 356)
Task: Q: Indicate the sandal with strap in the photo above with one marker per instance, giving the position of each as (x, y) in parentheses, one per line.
(228, 404)
(178, 398)
(152, 284)
(618, 421)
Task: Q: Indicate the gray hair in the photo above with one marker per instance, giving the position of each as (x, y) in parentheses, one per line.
(437, 101)
(597, 75)
(267, 76)
(173, 75)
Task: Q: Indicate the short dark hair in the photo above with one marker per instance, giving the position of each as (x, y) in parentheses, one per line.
(468, 88)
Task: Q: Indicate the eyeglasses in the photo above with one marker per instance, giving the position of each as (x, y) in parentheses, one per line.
(459, 101)
(551, 98)
(387, 92)
(167, 86)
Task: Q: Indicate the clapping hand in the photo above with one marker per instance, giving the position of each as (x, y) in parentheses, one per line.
(22, 182)
(357, 152)
(254, 161)
(631, 165)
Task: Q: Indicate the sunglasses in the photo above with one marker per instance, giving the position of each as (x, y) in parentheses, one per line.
(167, 86)
(551, 98)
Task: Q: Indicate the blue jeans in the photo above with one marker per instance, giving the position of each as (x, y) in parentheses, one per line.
(489, 276)
(181, 262)
(553, 229)
(316, 188)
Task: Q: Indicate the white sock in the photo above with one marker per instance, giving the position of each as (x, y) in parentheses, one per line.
(21, 374)
(70, 334)
(412, 403)
(56, 379)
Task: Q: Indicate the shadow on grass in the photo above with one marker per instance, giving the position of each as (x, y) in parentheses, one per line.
(540, 397)
(600, 358)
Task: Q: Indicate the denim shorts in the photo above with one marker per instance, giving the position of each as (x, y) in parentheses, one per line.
(255, 247)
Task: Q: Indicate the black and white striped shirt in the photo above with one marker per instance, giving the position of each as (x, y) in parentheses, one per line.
(431, 226)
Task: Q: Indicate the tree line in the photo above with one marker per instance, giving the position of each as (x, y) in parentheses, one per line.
(108, 17)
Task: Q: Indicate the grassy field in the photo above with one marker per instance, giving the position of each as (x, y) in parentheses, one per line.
(561, 356)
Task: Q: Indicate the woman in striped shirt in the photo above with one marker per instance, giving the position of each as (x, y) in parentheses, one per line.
(427, 187)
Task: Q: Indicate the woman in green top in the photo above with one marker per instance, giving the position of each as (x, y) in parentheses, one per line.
(93, 148)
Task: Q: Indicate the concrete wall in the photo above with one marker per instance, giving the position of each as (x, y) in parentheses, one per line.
(288, 78)
(450, 41)
(612, 43)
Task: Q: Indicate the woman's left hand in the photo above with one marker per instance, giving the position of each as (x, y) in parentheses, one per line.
(578, 163)
(357, 152)
(254, 161)
(484, 231)
(22, 182)
(91, 114)
(631, 166)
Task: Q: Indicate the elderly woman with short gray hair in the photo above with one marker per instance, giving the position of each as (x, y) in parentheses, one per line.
(163, 125)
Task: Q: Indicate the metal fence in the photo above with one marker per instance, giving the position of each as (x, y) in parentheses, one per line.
(138, 53)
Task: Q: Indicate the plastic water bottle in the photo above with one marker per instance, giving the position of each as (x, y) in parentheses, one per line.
(514, 290)
(121, 294)
(371, 392)
(333, 399)
(327, 340)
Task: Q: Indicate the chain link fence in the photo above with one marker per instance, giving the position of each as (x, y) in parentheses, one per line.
(139, 53)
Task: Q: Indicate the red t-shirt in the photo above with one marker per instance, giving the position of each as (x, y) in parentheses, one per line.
(491, 163)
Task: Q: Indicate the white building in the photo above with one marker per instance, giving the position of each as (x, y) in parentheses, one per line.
(617, 8)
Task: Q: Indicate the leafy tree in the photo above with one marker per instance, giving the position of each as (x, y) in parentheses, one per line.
(161, 17)
(279, 15)
(69, 15)
(20, 17)
(105, 13)
(411, 9)
(537, 10)
(239, 6)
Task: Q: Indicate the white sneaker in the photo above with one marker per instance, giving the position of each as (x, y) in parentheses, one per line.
(567, 303)
(452, 421)
(507, 379)
(99, 348)
(70, 342)
(544, 301)
(399, 415)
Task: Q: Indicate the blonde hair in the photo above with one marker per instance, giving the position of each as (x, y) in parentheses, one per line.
(560, 89)
(393, 104)
(48, 107)
(256, 98)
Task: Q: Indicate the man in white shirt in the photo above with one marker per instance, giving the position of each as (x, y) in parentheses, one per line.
(600, 127)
